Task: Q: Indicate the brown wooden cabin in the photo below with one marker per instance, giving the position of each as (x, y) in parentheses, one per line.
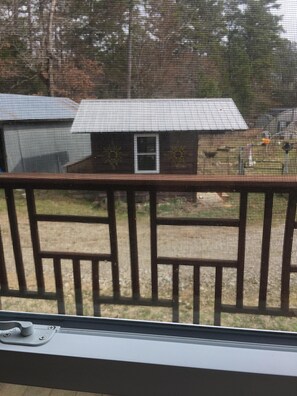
(150, 135)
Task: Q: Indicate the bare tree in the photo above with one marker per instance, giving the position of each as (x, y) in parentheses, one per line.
(130, 48)
(50, 47)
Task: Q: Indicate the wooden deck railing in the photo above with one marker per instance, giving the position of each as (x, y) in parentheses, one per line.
(129, 185)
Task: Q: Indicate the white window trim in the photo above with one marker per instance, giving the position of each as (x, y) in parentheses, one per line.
(136, 170)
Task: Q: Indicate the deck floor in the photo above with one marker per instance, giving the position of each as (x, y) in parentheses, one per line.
(22, 390)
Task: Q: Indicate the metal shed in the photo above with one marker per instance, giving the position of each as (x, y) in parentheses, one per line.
(35, 134)
(150, 135)
(284, 123)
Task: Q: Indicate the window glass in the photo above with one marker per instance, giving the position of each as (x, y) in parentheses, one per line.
(148, 160)
(146, 145)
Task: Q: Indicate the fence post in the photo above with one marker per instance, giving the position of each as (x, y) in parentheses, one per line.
(240, 162)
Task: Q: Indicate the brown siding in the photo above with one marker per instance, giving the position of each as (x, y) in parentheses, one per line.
(114, 153)
(178, 152)
(83, 166)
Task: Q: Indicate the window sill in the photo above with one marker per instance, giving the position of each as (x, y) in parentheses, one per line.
(139, 360)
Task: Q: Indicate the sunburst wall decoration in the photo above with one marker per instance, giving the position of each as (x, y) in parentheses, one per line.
(177, 155)
(112, 155)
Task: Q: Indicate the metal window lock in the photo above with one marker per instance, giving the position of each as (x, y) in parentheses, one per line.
(26, 333)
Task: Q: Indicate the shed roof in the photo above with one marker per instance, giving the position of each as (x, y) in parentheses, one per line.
(33, 108)
(287, 115)
(157, 115)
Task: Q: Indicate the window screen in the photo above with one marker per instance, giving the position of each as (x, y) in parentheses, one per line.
(148, 160)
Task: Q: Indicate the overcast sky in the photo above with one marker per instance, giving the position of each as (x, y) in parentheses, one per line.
(289, 11)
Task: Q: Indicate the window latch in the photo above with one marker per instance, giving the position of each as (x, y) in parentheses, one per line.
(26, 333)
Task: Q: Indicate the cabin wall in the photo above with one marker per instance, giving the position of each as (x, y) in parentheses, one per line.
(43, 147)
(114, 153)
(178, 152)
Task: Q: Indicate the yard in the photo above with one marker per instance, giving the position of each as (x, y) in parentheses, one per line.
(203, 242)
(219, 154)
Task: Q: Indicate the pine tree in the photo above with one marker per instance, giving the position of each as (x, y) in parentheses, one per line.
(253, 37)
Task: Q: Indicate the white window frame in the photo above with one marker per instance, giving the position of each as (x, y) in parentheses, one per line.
(136, 154)
(122, 357)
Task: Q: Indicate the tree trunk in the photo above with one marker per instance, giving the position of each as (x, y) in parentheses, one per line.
(15, 16)
(130, 45)
(30, 32)
(50, 49)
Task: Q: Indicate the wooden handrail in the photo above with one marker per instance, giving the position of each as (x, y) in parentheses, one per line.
(148, 182)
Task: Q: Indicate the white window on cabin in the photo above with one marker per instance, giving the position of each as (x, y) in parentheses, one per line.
(146, 153)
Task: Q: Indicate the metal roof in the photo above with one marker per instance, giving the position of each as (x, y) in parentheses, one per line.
(33, 108)
(287, 115)
(157, 115)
